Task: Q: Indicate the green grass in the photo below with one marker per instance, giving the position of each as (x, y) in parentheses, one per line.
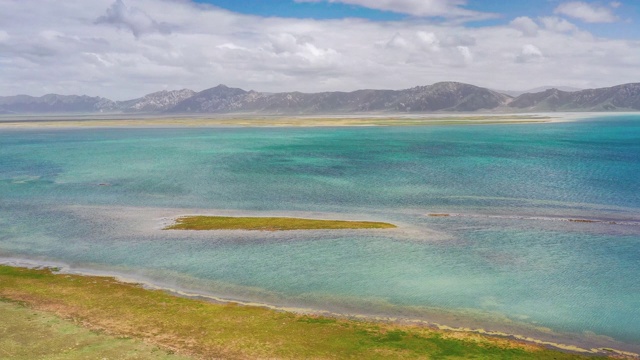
(27, 334)
(269, 224)
(230, 331)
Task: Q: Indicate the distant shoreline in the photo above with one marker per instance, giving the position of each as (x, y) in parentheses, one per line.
(139, 121)
(80, 121)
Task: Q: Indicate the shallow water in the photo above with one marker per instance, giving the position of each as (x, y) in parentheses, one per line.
(96, 198)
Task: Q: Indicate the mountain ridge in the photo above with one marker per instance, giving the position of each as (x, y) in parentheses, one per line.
(438, 97)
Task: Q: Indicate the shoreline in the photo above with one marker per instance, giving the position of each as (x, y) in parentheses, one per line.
(116, 120)
(255, 121)
(465, 331)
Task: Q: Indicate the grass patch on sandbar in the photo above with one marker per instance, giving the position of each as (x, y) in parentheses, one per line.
(269, 224)
(229, 331)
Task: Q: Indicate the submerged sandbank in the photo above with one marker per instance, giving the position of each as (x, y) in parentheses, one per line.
(626, 222)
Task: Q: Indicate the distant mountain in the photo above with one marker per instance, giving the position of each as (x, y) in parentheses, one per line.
(156, 102)
(53, 103)
(516, 93)
(445, 96)
(220, 99)
(616, 98)
(449, 96)
(439, 97)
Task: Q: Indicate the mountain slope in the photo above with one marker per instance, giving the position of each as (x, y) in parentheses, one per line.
(516, 93)
(439, 97)
(621, 97)
(219, 99)
(449, 96)
(53, 103)
(156, 102)
(446, 96)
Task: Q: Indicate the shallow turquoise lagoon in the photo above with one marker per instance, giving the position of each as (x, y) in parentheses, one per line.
(507, 258)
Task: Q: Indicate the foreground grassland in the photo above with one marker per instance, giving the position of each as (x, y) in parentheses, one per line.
(29, 334)
(269, 121)
(269, 224)
(206, 330)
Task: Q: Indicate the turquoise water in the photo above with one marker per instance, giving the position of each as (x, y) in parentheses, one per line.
(509, 252)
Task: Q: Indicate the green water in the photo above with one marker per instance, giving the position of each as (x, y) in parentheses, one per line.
(509, 253)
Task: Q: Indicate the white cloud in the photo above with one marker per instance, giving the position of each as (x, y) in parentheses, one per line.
(465, 38)
(56, 47)
(526, 25)
(557, 24)
(4, 36)
(529, 53)
(467, 57)
(398, 42)
(132, 18)
(298, 49)
(428, 41)
(587, 12)
(422, 8)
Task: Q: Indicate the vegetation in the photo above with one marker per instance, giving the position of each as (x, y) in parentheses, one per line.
(28, 334)
(212, 330)
(269, 224)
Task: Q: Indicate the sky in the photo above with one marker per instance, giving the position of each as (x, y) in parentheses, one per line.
(123, 49)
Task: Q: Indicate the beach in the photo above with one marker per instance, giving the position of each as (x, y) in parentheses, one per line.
(136, 120)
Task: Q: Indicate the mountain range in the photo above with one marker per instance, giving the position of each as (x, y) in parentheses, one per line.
(439, 97)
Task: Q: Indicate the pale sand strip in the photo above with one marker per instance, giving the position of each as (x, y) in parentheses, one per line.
(275, 121)
(252, 120)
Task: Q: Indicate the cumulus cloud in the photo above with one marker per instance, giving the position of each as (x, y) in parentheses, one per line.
(467, 57)
(422, 8)
(298, 49)
(557, 24)
(418, 42)
(587, 12)
(526, 25)
(398, 42)
(56, 47)
(132, 18)
(529, 53)
(428, 41)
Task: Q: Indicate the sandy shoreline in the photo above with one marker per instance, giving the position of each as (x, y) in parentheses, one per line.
(595, 345)
(122, 121)
(66, 121)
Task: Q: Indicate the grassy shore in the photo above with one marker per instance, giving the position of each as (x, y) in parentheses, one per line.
(207, 330)
(28, 334)
(269, 224)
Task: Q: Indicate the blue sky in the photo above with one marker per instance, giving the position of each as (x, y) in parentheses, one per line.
(124, 49)
(627, 27)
